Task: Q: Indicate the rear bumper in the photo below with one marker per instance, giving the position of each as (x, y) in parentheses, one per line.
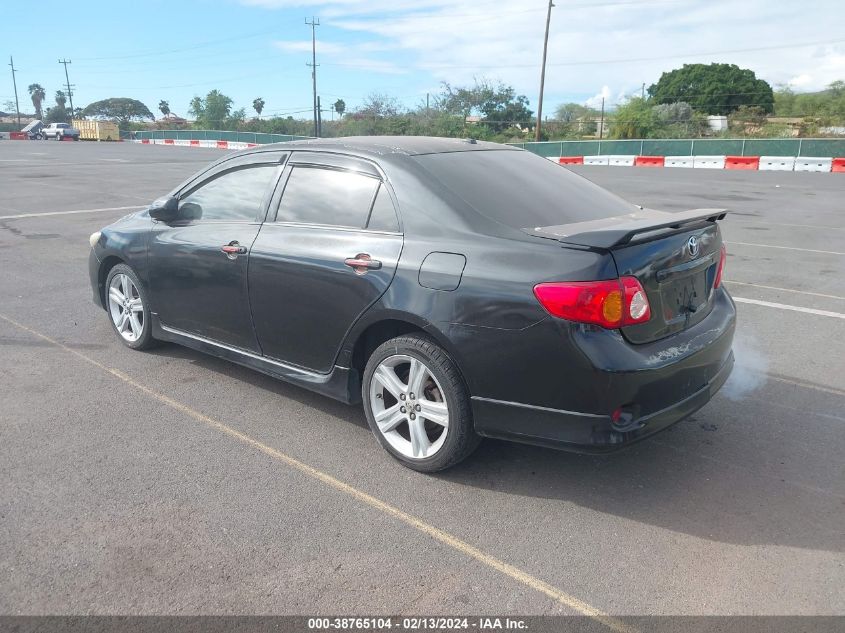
(584, 432)
(568, 402)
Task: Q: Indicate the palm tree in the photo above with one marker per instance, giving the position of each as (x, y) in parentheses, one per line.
(258, 105)
(38, 94)
(164, 107)
(61, 99)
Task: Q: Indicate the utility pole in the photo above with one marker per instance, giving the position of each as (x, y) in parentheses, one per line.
(601, 121)
(642, 94)
(319, 118)
(543, 73)
(67, 83)
(314, 23)
(15, 84)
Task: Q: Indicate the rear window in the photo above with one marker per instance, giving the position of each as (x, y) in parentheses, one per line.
(523, 190)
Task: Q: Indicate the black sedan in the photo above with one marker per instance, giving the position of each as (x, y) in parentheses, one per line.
(459, 289)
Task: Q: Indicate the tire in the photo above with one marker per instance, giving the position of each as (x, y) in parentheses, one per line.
(135, 330)
(403, 428)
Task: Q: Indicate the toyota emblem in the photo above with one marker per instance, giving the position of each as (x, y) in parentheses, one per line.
(692, 246)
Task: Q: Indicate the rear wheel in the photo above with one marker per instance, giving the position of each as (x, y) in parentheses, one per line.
(417, 404)
(128, 309)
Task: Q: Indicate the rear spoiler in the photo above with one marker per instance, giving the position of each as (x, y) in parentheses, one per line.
(622, 229)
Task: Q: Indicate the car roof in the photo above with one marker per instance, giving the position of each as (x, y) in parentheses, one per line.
(381, 146)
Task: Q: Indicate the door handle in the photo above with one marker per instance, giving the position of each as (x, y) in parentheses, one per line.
(233, 249)
(362, 263)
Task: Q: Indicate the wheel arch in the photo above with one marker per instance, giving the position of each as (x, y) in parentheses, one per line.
(106, 265)
(367, 336)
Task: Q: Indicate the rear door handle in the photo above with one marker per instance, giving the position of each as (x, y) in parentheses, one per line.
(362, 263)
(233, 249)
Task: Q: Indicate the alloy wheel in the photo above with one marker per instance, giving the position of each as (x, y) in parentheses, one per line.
(409, 406)
(126, 308)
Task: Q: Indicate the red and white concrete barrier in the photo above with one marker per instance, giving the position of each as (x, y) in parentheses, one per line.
(679, 161)
(777, 163)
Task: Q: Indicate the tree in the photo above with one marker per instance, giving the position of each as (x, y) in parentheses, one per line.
(713, 88)
(37, 94)
(505, 109)
(213, 112)
(499, 104)
(121, 109)
(377, 105)
(634, 119)
(571, 112)
(826, 105)
(58, 113)
(164, 107)
(258, 105)
(340, 107)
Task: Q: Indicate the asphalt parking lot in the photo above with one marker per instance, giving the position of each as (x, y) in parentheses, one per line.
(174, 483)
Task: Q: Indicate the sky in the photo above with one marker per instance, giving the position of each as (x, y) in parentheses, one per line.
(176, 49)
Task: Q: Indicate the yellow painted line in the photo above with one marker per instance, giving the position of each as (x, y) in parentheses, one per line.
(418, 524)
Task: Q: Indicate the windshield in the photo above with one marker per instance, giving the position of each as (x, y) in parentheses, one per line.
(523, 190)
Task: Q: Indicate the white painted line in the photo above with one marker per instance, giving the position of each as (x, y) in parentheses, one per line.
(806, 226)
(802, 292)
(786, 248)
(39, 215)
(14, 160)
(783, 306)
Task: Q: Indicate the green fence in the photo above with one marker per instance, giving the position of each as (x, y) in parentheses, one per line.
(218, 135)
(645, 147)
(693, 147)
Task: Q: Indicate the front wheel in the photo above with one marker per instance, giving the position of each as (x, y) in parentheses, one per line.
(417, 405)
(128, 308)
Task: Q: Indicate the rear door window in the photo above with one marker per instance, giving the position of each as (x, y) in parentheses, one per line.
(332, 197)
(383, 215)
(522, 190)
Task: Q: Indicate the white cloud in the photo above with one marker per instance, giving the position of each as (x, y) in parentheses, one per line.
(592, 44)
(596, 100)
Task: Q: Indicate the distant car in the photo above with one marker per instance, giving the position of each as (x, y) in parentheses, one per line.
(459, 289)
(60, 131)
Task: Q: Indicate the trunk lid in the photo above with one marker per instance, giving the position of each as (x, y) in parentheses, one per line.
(673, 255)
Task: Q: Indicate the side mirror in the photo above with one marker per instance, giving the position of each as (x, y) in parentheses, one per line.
(165, 209)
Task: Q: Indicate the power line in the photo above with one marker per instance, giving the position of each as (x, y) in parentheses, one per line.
(177, 50)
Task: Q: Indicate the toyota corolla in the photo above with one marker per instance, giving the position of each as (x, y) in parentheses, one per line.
(458, 289)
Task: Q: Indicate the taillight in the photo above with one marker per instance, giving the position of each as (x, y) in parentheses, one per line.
(611, 303)
(723, 255)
